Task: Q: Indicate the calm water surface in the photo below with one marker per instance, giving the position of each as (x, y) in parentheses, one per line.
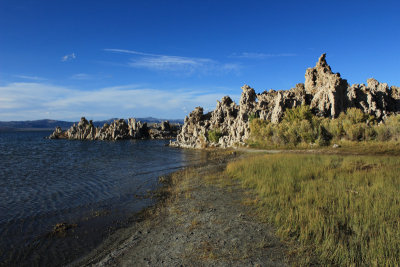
(93, 184)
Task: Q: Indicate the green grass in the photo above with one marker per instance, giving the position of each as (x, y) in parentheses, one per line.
(336, 210)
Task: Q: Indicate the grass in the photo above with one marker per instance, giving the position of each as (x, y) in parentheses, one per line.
(371, 148)
(338, 210)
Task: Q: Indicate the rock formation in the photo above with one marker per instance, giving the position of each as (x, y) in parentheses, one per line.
(324, 91)
(117, 130)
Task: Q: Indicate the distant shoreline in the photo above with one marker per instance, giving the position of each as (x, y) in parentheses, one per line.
(25, 129)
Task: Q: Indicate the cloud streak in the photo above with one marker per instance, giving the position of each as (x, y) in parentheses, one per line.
(188, 65)
(171, 63)
(27, 77)
(68, 57)
(30, 101)
(250, 55)
(81, 76)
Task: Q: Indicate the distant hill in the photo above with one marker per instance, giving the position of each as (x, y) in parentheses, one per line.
(51, 124)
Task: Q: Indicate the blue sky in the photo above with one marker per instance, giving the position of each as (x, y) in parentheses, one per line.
(102, 59)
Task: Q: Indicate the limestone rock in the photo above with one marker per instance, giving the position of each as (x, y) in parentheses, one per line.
(164, 130)
(119, 129)
(327, 88)
(395, 96)
(326, 92)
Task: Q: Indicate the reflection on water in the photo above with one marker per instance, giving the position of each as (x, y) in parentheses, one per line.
(90, 183)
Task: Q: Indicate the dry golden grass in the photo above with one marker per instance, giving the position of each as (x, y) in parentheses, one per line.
(338, 210)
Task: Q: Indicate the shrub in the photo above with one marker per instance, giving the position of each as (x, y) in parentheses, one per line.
(383, 132)
(353, 116)
(280, 136)
(257, 126)
(370, 133)
(293, 133)
(324, 137)
(214, 135)
(306, 131)
(335, 127)
(299, 113)
(356, 132)
(393, 122)
(299, 126)
(253, 116)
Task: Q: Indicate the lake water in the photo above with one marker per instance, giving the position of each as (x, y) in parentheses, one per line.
(93, 184)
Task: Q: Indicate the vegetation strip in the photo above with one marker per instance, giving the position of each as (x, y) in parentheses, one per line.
(301, 129)
(337, 210)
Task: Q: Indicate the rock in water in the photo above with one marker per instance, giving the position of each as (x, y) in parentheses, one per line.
(326, 92)
(118, 130)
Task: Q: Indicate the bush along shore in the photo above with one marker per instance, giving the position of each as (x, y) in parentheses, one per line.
(301, 129)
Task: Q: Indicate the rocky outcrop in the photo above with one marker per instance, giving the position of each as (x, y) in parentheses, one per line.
(117, 130)
(324, 91)
(327, 89)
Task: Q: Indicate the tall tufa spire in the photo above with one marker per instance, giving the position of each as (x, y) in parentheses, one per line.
(323, 64)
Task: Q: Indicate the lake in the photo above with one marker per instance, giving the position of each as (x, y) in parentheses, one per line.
(96, 185)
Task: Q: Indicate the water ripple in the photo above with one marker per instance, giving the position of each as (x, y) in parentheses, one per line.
(43, 182)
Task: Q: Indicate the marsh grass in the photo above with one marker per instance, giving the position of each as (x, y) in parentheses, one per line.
(338, 210)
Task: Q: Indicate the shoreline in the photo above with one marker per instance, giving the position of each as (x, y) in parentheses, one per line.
(142, 242)
(88, 197)
(175, 201)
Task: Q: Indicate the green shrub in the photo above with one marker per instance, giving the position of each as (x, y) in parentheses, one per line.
(293, 133)
(356, 132)
(353, 116)
(253, 116)
(214, 135)
(257, 127)
(324, 137)
(299, 126)
(393, 122)
(299, 113)
(370, 133)
(383, 132)
(335, 127)
(306, 131)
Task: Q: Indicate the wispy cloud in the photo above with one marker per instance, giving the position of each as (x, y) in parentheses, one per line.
(171, 63)
(250, 55)
(28, 101)
(125, 51)
(68, 57)
(175, 63)
(81, 76)
(27, 77)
